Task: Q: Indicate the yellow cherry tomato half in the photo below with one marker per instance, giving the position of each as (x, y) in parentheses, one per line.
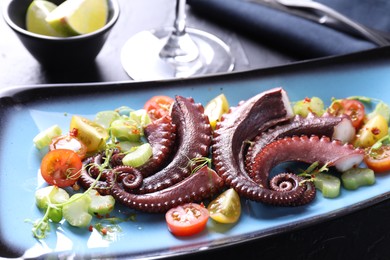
(226, 208)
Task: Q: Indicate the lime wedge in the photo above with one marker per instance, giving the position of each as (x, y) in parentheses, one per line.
(75, 17)
(36, 15)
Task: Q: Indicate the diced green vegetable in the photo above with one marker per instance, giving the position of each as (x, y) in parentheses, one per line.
(76, 211)
(328, 184)
(138, 157)
(52, 195)
(357, 177)
(105, 118)
(100, 204)
(142, 117)
(126, 146)
(55, 194)
(124, 110)
(382, 109)
(309, 105)
(44, 138)
(125, 130)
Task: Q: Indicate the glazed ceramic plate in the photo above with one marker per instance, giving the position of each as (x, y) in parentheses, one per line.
(26, 111)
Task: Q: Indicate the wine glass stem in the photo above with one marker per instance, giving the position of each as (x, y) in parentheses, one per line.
(179, 48)
(180, 20)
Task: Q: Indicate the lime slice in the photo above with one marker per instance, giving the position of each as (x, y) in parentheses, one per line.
(36, 15)
(75, 17)
(226, 208)
(216, 108)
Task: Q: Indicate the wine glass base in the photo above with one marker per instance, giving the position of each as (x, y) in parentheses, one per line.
(141, 61)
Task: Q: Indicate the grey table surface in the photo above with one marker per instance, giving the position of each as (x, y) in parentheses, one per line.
(18, 67)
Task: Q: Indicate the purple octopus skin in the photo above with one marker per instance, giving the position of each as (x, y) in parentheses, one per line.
(90, 172)
(193, 133)
(241, 124)
(201, 185)
(161, 135)
(131, 178)
(304, 149)
(284, 182)
(335, 127)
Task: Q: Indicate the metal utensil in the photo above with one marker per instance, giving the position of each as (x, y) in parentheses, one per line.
(325, 15)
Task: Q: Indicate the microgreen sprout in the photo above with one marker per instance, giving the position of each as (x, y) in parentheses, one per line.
(311, 171)
(41, 227)
(198, 163)
(70, 175)
(383, 141)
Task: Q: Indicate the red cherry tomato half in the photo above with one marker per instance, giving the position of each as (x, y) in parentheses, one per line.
(379, 159)
(353, 108)
(158, 106)
(69, 142)
(187, 219)
(61, 167)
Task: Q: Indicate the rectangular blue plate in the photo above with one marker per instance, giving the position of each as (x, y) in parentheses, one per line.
(27, 110)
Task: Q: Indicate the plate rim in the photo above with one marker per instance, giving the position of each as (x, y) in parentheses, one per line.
(380, 53)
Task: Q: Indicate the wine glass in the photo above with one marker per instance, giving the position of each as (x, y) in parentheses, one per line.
(177, 52)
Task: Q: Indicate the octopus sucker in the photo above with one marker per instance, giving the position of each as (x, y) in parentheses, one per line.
(131, 178)
(243, 123)
(200, 185)
(283, 182)
(193, 139)
(91, 170)
(305, 149)
(335, 127)
(161, 135)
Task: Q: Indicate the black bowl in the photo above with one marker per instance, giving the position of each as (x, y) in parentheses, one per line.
(57, 51)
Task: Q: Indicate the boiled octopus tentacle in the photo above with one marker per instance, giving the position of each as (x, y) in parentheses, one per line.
(131, 178)
(201, 185)
(91, 170)
(284, 182)
(303, 149)
(336, 127)
(161, 135)
(193, 133)
(243, 123)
